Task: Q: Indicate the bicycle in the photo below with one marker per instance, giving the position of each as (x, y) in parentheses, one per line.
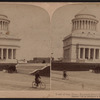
(41, 85)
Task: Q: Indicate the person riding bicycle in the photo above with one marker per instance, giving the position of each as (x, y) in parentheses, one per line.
(37, 78)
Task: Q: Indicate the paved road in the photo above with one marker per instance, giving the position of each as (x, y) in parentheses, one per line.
(16, 81)
(77, 81)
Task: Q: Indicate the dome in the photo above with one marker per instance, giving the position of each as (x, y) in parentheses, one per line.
(3, 17)
(85, 20)
(85, 13)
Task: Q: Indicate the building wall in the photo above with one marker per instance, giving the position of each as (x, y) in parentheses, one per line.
(73, 53)
(7, 42)
(85, 41)
(67, 50)
(71, 48)
(67, 53)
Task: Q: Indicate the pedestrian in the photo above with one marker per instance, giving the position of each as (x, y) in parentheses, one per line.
(64, 74)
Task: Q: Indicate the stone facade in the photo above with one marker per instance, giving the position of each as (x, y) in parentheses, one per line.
(83, 44)
(9, 44)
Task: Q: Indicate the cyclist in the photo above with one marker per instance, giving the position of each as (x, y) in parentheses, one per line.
(37, 78)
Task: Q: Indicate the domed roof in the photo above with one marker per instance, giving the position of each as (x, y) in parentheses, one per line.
(85, 11)
(3, 17)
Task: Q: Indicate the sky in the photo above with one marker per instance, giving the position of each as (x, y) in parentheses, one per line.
(42, 26)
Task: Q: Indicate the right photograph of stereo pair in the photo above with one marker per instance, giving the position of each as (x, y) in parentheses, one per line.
(75, 55)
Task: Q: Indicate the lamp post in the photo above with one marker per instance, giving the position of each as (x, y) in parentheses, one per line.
(51, 58)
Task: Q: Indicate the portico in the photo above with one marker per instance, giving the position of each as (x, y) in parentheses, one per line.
(7, 53)
(88, 53)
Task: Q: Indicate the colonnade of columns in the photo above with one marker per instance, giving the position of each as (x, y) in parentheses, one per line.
(6, 53)
(84, 24)
(4, 25)
(88, 53)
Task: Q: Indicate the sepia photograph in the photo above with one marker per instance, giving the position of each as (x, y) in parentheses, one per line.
(75, 33)
(49, 50)
(24, 48)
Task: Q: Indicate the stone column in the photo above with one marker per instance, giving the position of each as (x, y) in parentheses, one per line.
(4, 25)
(91, 25)
(14, 56)
(84, 24)
(7, 26)
(1, 53)
(94, 54)
(1, 25)
(94, 26)
(80, 24)
(87, 24)
(78, 53)
(74, 25)
(77, 24)
(6, 53)
(11, 53)
(99, 54)
(83, 53)
(89, 54)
